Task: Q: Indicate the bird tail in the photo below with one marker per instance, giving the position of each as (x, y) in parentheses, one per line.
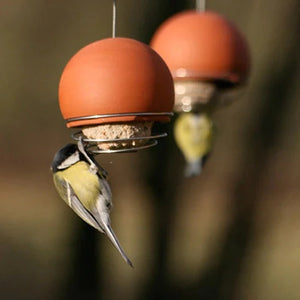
(193, 168)
(112, 237)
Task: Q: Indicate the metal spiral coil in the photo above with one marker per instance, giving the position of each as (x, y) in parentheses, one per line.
(92, 143)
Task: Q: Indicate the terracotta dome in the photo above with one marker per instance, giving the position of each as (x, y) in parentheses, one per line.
(113, 76)
(203, 45)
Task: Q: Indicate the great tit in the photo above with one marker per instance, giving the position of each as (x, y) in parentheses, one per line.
(194, 136)
(83, 185)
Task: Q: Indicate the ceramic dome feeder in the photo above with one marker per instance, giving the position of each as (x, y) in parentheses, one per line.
(205, 53)
(114, 90)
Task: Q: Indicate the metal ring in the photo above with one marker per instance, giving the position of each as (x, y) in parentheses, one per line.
(119, 115)
(121, 140)
(151, 143)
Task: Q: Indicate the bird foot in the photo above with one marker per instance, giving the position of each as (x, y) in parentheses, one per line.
(93, 167)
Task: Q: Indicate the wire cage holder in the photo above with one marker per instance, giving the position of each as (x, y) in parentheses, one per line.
(149, 141)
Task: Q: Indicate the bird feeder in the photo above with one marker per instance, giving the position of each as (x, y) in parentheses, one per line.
(114, 90)
(205, 53)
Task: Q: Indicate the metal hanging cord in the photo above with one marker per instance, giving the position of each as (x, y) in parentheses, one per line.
(114, 18)
(200, 5)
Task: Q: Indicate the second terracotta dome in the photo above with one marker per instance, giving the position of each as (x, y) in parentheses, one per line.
(204, 46)
(115, 76)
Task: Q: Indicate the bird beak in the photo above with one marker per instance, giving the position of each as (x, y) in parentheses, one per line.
(111, 235)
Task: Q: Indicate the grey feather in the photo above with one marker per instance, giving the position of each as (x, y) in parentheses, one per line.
(73, 201)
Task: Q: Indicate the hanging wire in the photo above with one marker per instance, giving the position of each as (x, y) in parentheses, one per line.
(200, 5)
(114, 17)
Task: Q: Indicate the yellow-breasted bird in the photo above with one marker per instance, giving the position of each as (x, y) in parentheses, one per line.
(83, 185)
(194, 136)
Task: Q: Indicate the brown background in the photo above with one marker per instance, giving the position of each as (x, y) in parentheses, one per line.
(232, 233)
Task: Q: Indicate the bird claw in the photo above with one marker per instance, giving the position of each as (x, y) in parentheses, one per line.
(81, 146)
(93, 167)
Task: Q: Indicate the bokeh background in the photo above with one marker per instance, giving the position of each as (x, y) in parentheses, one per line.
(231, 233)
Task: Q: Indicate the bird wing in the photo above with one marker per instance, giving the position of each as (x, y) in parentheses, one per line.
(74, 202)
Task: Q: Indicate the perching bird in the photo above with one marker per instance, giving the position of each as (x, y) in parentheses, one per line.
(194, 135)
(82, 184)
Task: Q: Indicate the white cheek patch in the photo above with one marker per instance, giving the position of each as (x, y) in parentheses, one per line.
(71, 160)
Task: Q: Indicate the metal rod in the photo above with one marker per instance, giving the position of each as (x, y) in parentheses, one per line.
(200, 5)
(114, 18)
(119, 115)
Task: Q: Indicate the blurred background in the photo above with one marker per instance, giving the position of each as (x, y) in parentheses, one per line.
(231, 233)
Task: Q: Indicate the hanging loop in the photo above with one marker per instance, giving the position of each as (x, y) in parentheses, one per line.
(114, 18)
(200, 5)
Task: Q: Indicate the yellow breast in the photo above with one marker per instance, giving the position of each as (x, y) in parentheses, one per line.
(84, 183)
